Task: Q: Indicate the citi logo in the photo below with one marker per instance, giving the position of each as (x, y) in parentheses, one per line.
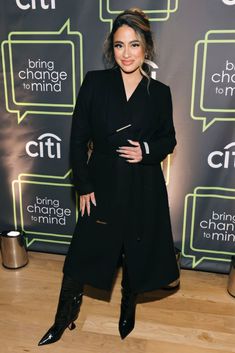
(34, 4)
(153, 68)
(222, 159)
(47, 145)
(229, 2)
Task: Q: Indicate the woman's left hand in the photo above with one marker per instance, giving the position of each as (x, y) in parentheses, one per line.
(132, 154)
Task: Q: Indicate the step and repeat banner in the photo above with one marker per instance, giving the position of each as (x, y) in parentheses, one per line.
(47, 46)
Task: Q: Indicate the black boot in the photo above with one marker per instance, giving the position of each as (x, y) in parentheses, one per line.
(128, 306)
(127, 316)
(67, 311)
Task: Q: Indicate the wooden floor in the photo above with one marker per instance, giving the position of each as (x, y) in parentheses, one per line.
(200, 317)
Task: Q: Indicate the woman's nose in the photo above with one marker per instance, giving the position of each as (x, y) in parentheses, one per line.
(126, 52)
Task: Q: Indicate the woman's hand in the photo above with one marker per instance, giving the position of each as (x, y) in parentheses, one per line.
(132, 154)
(85, 201)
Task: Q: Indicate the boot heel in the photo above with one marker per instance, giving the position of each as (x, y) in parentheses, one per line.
(71, 326)
(67, 310)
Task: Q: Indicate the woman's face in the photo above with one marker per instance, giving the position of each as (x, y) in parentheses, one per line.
(128, 49)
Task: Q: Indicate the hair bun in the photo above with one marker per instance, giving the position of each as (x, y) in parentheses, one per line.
(139, 12)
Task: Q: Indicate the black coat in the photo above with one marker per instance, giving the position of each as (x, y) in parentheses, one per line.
(132, 211)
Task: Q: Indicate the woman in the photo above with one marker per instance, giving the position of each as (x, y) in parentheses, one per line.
(123, 197)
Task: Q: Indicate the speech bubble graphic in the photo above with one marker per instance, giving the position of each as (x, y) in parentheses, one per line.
(36, 80)
(43, 207)
(156, 10)
(209, 225)
(213, 84)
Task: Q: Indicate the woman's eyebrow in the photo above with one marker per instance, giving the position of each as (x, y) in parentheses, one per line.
(132, 41)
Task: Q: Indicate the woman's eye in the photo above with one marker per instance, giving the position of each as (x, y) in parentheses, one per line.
(135, 45)
(117, 46)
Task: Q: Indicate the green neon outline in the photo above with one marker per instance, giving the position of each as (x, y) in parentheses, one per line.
(196, 262)
(66, 26)
(21, 204)
(193, 221)
(194, 81)
(45, 176)
(202, 107)
(167, 11)
(73, 72)
(14, 202)
(168, 8)
(200, 188)
(29, 243)
(167, 168)
(20, 182)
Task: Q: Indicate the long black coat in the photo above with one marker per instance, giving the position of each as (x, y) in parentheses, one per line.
(132, 211)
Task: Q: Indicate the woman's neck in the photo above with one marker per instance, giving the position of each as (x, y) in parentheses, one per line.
(131, 81)
(131, 78)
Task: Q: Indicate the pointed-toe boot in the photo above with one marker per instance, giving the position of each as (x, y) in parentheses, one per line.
(127, 315)
(67, 311)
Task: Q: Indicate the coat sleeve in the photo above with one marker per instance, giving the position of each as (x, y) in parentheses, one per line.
(80, 136)
(158, 147)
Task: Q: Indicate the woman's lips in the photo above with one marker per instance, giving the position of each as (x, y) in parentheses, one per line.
(127, 62)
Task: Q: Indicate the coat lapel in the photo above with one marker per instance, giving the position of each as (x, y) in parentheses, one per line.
(121, 113)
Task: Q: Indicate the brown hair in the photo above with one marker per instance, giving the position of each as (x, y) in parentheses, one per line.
(136, 19)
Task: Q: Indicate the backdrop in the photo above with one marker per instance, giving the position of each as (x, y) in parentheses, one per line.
(47, 47)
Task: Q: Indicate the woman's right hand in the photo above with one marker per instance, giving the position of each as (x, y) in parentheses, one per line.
(85, 203)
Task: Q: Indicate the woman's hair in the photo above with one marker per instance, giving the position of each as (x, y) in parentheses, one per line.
(136, 19)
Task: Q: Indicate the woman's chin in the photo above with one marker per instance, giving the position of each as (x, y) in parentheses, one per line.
(129, 70)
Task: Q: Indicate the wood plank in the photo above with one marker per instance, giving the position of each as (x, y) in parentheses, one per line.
(198, 318)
